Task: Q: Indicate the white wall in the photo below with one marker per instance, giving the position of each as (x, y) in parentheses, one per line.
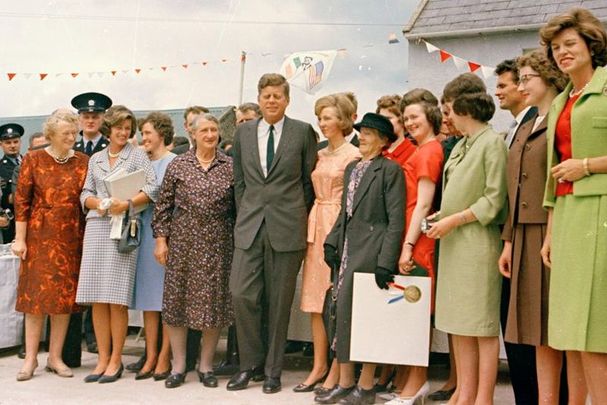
(425, 69)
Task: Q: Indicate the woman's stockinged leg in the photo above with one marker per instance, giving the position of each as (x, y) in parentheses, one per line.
(103, 335)
(321, 347)
(549, 363)
(119, 322)
(59, 325)
(178, 336)
(210, 337)
(488, 359)
(151, 320)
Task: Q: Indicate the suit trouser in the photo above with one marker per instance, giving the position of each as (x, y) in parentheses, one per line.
(262, 277)
(72, 347)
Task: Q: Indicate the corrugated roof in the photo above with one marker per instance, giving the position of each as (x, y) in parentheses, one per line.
(456, 17)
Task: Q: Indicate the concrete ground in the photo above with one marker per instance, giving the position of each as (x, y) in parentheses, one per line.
(47, 388)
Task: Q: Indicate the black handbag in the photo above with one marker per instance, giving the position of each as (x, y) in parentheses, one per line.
(329, 310)
(131, 231)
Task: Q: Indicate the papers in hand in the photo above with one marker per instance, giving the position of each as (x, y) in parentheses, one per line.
(123, 186)
(396, 333)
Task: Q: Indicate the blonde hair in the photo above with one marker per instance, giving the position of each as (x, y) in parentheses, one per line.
(344, 107)
(49, 127)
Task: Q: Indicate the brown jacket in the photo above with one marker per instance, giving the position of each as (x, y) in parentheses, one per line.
(526, 177)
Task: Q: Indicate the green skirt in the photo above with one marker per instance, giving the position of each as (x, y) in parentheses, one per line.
(577, 316)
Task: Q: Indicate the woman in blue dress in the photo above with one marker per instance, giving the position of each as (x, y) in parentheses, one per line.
(157, 133)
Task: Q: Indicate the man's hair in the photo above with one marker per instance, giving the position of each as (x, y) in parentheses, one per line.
(35, 136)
(508, 65)
(462, 84)
(243, 108)
(196, 109)
(273, 79)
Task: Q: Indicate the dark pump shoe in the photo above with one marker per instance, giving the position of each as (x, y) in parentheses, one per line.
(335, 395)
(271, 385)
(442, 395)
(137, 365)
(175, 380)
(358, 396)
(240, 381)
(144, 376)
(111, 378)
(207, 379)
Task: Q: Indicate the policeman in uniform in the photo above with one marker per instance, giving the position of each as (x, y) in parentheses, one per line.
(10, 140)
(91, 108)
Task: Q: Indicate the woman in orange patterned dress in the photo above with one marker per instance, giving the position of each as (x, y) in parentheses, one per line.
(48, 239)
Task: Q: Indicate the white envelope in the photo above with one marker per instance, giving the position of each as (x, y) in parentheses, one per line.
(390, 333)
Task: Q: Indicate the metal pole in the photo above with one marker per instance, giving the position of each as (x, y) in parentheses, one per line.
(243, 60)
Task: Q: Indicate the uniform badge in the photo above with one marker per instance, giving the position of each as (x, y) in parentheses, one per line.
(91, 103)
(4, 161)
(9, 130)
(103, 145)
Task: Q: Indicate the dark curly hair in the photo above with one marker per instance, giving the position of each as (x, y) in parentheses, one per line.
(162, 124)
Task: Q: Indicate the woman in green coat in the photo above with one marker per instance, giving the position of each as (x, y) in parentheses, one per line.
(468, 286)
(576, 197)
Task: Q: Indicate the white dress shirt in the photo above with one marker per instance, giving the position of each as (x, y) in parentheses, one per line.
(519, 118)
(263, 133)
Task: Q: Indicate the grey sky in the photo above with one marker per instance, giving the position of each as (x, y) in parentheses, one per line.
(84, 36)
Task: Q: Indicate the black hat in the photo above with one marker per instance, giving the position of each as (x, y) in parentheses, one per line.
(91, 102)
(10, 131)
(379, 122)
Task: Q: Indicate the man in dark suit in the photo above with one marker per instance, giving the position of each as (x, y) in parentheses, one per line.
(91, 107)
(353, 137)
(10, 140)
(273, 161)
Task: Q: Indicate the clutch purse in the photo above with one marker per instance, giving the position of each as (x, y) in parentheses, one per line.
(132, 225)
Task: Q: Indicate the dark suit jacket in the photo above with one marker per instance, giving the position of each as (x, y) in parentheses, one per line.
(526, 177)
(376, 228)
(323, 144)
(282, 199)
(80, 146)
(7, 167)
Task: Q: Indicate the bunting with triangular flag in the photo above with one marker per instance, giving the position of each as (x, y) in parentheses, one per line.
(460, 63)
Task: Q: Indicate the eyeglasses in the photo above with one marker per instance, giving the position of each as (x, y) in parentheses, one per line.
(525, 78)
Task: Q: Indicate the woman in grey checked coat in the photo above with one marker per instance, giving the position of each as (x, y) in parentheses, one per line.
(107, 276)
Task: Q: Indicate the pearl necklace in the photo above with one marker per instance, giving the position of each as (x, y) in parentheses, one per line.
(574, 93)
(204, 162)
(112, 155)
(61, 160)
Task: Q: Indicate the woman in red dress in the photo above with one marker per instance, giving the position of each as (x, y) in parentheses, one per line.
(48, 239)
(422, 173)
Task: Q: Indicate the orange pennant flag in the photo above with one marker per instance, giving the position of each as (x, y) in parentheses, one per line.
(444, 55)
(43, 75)
(473, 66)
(11, 76)
(164, 68)
(137, 71)
(75, 74)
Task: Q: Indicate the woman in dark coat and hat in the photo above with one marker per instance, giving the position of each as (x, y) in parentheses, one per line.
(366, 238)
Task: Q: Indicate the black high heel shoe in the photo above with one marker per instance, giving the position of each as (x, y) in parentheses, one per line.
(175, 380)
(312, 387)
(104, 379)
(162, 376)
(208, 379)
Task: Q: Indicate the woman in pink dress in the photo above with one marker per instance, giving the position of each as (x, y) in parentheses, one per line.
(334, 114)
